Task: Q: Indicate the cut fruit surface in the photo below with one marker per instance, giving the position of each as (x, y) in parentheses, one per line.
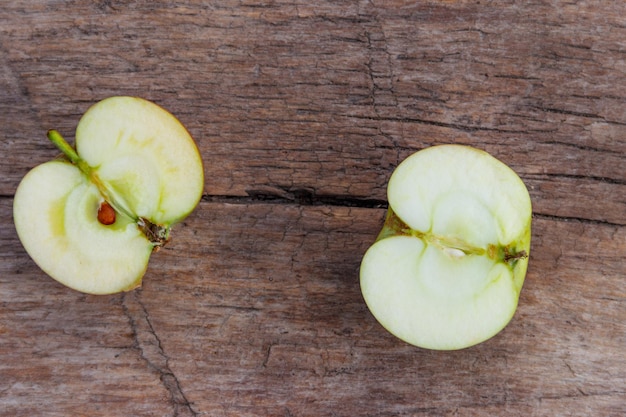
(91, 221)
(55, 214)
(458, 190)
(145, 154)
(433, 300)
(448, 267)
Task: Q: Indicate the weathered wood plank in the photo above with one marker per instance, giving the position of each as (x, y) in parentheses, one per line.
(301, 111)
(332, 110)
(63, 353)
(262, 315)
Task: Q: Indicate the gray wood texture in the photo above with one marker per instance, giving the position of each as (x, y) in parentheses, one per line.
(301, 111)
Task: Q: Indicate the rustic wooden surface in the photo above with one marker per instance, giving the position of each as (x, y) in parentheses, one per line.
(301, 111)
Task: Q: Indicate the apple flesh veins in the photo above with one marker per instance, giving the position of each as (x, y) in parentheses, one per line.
(131, 155)
(447, 268)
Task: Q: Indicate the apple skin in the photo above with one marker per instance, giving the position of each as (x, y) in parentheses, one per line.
(447, 268)
(132, 156)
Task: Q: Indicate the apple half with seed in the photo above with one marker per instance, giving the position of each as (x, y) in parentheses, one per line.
(92, 218)
(447, 268)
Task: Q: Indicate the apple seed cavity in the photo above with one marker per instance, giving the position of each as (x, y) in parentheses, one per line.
(106, 214)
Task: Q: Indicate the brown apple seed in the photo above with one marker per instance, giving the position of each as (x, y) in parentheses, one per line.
(106, 214)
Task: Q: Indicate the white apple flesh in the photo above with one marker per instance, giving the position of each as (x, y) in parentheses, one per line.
(130, 154)
(447, 269)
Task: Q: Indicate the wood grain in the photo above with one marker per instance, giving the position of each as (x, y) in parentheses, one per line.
(301, 111)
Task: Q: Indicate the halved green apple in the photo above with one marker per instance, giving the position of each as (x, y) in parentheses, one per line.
(92, 219)
(448, 266)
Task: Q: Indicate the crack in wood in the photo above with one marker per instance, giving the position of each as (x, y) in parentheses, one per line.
(592, 178)
(148, 343)
(456, 126)
(568, 112)
(297, 196)
(338, 201)
(580, 147)
(546, 216)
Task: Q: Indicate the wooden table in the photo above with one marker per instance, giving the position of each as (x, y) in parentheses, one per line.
(302, 109)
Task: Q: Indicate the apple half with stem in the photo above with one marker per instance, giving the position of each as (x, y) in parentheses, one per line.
(446, 270)
(92, 218)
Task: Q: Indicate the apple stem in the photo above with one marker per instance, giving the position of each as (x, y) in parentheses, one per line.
(158, 235)
(60, 142)
(71, 154)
